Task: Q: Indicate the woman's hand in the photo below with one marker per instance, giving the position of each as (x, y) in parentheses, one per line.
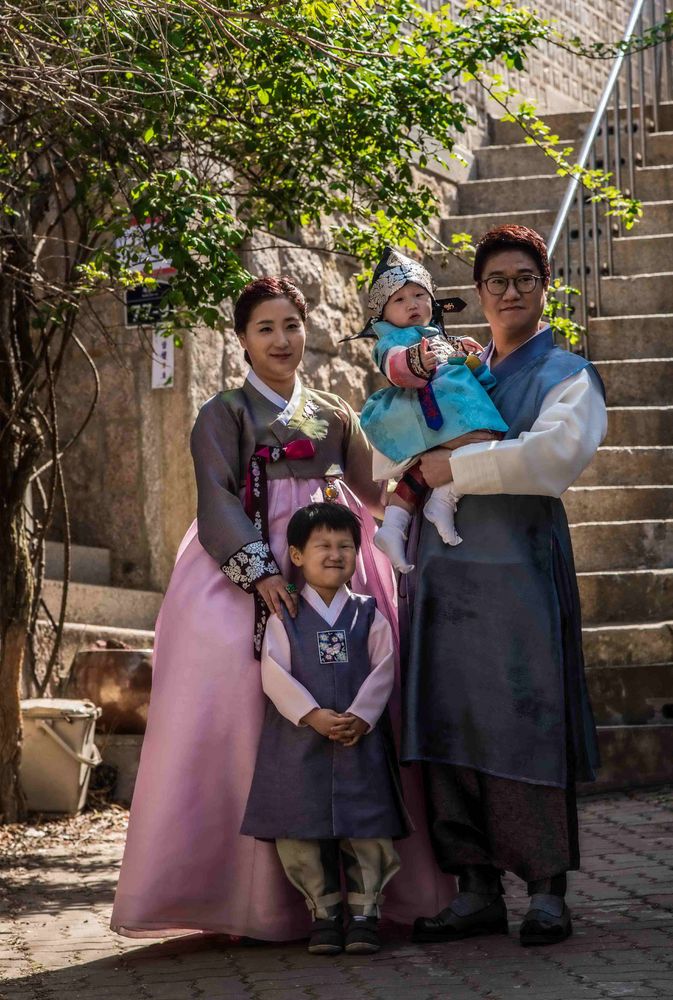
(274, 593)
(436, 464)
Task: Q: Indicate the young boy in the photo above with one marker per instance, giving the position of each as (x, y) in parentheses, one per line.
(325, 786)
(437, 393)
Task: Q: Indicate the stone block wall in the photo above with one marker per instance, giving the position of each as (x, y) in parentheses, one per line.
(558, 80)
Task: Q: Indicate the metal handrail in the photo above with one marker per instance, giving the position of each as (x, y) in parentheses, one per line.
(580, 243)
(594, 127)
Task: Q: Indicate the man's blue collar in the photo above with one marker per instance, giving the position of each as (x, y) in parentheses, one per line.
(541, 343)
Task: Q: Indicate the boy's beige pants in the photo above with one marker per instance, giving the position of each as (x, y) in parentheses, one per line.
(314, 867)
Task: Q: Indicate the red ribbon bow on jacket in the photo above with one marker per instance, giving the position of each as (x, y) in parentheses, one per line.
(295, 450)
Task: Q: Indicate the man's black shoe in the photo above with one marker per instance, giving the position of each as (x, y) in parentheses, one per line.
(450, 925)
(547, 921)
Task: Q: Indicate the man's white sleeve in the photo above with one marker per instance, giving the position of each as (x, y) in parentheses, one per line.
(548, 458)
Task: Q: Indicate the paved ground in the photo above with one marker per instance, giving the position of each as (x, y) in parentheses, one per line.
(58, 881)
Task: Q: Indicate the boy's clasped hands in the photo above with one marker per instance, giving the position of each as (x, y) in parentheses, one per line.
(340, 727)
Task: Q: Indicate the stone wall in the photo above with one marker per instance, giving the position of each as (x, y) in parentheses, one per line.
(555, 79)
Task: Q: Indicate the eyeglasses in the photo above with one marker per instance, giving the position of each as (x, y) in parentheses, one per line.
(524, 283)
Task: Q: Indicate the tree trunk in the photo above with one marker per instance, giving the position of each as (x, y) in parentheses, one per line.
(12, 804)
(21, 442)
(17, 584)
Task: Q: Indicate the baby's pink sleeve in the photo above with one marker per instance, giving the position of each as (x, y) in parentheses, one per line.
(403, 368)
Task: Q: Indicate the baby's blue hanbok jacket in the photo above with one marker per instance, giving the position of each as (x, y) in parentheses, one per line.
(403, 423)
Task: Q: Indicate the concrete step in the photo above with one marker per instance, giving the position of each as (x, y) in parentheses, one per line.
(87, 564)
(447, 269)
(629, 425)
(632, 696)
(628, 644)
(78, 637)
(478, 223)
(657, 219)
(659, 149)
(601, 545)
(638, 294)
(640, 254)
(618, 597)
(632, 757)
(638, 381)
(618, 503)
(616, 337)
(511, 194)
(537, 191)
(89, 604)
(574, 124)
(472, 313)
(518, 160)
(659, 152)
(654, 183)
(630, 466)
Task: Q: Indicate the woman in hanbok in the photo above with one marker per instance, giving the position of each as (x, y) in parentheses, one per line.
(260, 451)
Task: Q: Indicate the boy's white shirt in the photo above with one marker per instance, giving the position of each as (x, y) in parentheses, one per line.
(543, 461)
(292, 699)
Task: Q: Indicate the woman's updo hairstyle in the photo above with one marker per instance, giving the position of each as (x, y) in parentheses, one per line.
(511, 238)
(262, 289)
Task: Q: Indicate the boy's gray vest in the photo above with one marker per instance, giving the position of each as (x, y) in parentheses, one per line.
(306, 786)
(496, 677)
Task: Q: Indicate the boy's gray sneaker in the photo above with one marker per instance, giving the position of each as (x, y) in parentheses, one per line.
(362, 937)
(327, 937)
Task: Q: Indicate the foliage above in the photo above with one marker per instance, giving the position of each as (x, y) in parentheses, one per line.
(214, 120)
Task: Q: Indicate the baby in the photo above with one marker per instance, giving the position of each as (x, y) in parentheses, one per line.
(438, 393)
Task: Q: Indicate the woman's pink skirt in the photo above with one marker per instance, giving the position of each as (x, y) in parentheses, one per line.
(186, 867)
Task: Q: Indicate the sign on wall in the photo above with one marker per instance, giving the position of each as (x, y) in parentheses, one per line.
(147, 306)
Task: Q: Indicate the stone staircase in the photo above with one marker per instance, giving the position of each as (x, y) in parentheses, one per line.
(95, 609)
(621, 509)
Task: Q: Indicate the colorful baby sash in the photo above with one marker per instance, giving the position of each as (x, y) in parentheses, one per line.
(257, 509)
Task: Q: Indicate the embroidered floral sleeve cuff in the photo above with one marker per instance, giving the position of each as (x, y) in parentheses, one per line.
(251, 563)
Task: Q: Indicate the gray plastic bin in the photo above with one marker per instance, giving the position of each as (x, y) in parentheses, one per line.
(58, 753)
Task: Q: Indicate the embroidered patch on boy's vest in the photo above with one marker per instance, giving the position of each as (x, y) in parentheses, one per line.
(332, 646)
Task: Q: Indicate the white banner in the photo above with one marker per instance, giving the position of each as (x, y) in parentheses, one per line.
(163, 361)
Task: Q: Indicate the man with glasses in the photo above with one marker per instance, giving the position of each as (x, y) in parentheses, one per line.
(496, 700)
